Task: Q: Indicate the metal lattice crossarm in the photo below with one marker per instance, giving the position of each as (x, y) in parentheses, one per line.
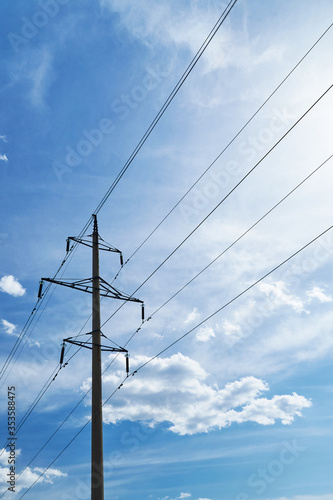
(86, 285)
(88, 243)
(89, 345)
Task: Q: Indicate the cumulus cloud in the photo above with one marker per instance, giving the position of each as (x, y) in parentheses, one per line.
(8, 327)
(205, 334)
(10, 285)
(305, 497)
(181, 497)
(193, 316)
(28, 476)
(175, 390)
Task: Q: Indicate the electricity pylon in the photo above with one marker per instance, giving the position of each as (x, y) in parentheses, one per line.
(97, 287)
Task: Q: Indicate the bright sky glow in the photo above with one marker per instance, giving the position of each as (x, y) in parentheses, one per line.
(239, 406)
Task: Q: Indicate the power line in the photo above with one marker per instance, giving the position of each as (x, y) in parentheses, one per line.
(56, 370)
(229, 144)
(242, 235)
(167, 103)
(47, 385)
(228, 248)
(232, 300)
(32, 315)
(148, 132)
(225, 197)
(160, 307)
(209, 167)
(178, 340)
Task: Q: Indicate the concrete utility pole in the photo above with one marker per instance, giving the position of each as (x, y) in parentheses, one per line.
(97, 475)
(98, 287)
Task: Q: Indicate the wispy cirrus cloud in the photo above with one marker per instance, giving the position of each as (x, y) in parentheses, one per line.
(278, 295)
(8, 327)
(36, 69)
(153, 22)
(318, 294)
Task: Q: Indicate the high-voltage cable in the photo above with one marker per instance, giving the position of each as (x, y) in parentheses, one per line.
(229, 144)
(225, 197)
(174, 92)
(232, 300)
(224, 306)
(167, 103)
(172, 297)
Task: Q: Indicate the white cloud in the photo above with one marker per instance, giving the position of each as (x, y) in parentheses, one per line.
(305, 497)
(8, 327)
(174, 390)
(181, 496)
(28, 476)
(3, 158)
(278, 295)
(10, 285)
(37, 70)
(143, 20)
(205, 334)
(40, 77)
(3, 138)
(318, 293)
(4, 455)
(231, 329)
(50, 474)
(192, 316)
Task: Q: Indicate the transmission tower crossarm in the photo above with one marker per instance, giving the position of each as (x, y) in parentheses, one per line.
(101, 246)
(87, 285)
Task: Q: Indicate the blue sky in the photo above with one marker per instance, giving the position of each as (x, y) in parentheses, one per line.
(241, 407)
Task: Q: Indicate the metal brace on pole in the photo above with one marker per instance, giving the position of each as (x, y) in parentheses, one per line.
(97, 287)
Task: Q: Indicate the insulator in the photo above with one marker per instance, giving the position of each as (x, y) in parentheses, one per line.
(40, 289)
(62, 354)
(121, 260)
(127, 364)
(67, 245)
(143, 312)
